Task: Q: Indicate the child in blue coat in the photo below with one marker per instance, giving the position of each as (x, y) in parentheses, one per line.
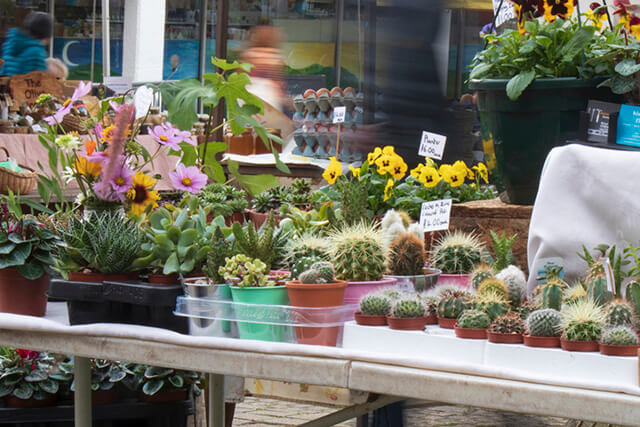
(24, 50)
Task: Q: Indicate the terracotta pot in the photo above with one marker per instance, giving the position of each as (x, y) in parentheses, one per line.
(77, 276)
(431, 319)
(455, 279)
(370, 320)
(317, 296)
(163, 280)
(22, 296)
(619, 350)
(258, 218)
(583, 346)
(546, 342)
(445, 323)
(13, 402)
(499, 338)
(406, 324)
(235, 217)
(470, 333)
(164, 396)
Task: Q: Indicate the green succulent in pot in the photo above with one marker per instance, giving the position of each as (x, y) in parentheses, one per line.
(357, 253)
(474, 319)
(220, 251)
(582, 320)
(223, 200)
(242, 271)
(27, 374)
(375, 304)
(266, 244)
(451, 304)
(457, 253)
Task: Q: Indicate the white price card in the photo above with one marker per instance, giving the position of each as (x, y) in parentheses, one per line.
(435, 215)
(505, 13)
(338, 114)
(432, 145)
(117, 84)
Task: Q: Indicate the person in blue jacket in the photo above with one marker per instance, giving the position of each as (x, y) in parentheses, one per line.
(24, 50)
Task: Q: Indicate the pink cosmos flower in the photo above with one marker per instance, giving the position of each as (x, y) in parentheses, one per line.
(82, 90)
(165, 136)
(104, 191)
(181, 135)
(122, 177)
(188, 179)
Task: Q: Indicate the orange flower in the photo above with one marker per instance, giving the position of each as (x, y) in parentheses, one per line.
(91, 147)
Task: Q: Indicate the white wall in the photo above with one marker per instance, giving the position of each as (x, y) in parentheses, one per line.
(143, 40)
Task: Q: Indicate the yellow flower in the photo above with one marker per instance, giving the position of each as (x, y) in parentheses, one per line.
(355, 172)
(87, 168)
(387, 189)
(388, 150)
(415, 172)
(463, 166)
(598, 19)
(383, 164)
(373, 156)
(142, 194)
(429, 177)
(430, 162)
(333, 171)
(454, 176)
(482, 171)
(635, 31)
(557, 9)
(107, 134)
(398, 167)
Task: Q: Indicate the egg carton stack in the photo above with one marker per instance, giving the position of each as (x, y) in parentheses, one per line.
(316, 135)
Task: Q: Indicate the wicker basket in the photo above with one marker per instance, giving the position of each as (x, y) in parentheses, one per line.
(19, 182)
(73, 123)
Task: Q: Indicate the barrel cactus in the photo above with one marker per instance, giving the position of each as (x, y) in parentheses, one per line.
(392, 293)
(544, 323)
(375, 304)
(552, 293)
(574, 294)
(508, 323)
(618, 313)
(494, 285)
(406, 256)
(527, 308)
(481, 273)
(516, 284)
(633, 296)
(357, 253)
(457, 253)
(474, 319)
(452, 304)
(582, 320)
(408, 308)
(306, 245)
(619, 335)
(301, 265)
(430, 305)
(320, 272)
(492, 303)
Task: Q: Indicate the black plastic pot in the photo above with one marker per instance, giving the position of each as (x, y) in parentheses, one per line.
(85, 303)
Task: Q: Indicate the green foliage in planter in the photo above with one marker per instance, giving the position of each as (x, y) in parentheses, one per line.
(408, 308)
(619, 335)
(151, 379)
(619, 313)
(457, 253)
(105, 374)
(357, 253)
(375, 304)
(220, 251)
(223, 200)
(406, 256)
(544, 323)
(28, 374)
(266, 244)
(242, 271)
(508, 323)
(502, 249)
(300, 193)
(474, 319)
(582, 321)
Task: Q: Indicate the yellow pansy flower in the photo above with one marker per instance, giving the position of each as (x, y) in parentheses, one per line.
(355, 172)
(387, 189)
(389, 151)
(398, 167)
(383, 164)
(429, 177)
(87, 168)
(333, 171)
(482, 171)
(373, 156)
(454, 176)
(415, 172)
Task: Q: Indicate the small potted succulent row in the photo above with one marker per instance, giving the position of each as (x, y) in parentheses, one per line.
(408, 313)
(452, 302)
(472, 324)
(374, 308)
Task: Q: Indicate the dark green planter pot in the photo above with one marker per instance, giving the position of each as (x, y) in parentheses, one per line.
(524, 131)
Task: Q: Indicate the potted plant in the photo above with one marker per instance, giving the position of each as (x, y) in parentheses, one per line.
(25, 256)
(407, 314)
(618, 312)
(492, 303)
(451, 305)
(317, 288)
(456, 254)
(494, 286)
(507, 329)
(430, 309)
(472, 324)
(303, 251)
(267, 202)
(266, 243)
(480, 273)
(250, 284)
(582, 323)
(106, 375)
(406, 261)
(543, 328)
(516, 283)
(374, 308)
(224, 200)
(619, 341)
(161, 385)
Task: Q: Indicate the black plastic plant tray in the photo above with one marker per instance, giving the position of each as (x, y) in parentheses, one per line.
(85, 302)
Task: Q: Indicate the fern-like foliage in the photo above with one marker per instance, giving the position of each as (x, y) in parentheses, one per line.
(220, 251)
(502, 248)
(256, 244)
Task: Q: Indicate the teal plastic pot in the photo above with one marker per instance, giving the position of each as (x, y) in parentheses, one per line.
(524, 131)
(268, 295)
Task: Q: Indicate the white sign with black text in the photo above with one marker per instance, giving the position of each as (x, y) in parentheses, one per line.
(435, 215)
(505, 13)
(339, 114)
(432, 145)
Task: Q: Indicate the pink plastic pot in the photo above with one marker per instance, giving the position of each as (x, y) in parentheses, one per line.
(356, 290)
(455, 279)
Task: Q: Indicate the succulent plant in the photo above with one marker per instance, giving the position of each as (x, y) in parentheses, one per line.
(457, 253)
(271, 199)
(220, 251)
(527, 307)
(408, 308)
(430, 304)
(223, 199)
(302, 264)
(516, 284)
(474, 319)
(574, 294)
(320, 272)
(502, 247)
(508, 323)
(494, 285)
(492, 303)
(545, 322)
(552, 293)
(632, 294)
(354, 202)
(453, 303)
(357, 253)
(392, 293)
(582, 320)
(242, 271)
(618, 313)
(307, 245)
(300, 192)
(406, 256)
(481, 273)
(375, 304)
(597, 290)
(619, 335)
(266, 244)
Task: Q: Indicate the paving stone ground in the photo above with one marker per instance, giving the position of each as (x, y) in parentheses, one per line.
(271, 412)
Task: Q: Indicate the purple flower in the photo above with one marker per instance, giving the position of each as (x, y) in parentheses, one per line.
(122, 178)
(188, 178)
(114, 188)
(182, 135)
(104, 191)
(165, 136)
(487, 29)
(83, 89)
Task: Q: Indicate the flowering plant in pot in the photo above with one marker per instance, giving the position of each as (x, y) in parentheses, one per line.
(156, 384)
(374, 308)
(451, 304)
(407, 314)
(507, 329)
(456, 254)
(619, 341)
(318, 288)
(472, 324)
(582, 324)
(544, 328)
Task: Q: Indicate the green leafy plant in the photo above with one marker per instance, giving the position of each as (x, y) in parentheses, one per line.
(223, 200)
(152, 380)
(242, 271)
(105, 374)
(28, 374)
(314, 221)
(502, 249)
(271, 199)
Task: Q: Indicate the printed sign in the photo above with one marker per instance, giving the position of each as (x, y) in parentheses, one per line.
(339, 114)
(117, 84)
(599, 113)
(28, 87)
(628, 132)
(505, 13)
(435, 215)
(432, 145)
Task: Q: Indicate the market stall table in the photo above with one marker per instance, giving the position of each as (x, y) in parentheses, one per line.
(392, 374)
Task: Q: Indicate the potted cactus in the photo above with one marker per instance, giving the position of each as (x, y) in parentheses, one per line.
(619, 341)
(358, 255)
(451, 305)
(494, 285)
(407, 314)
(456, 254)
(472, 324)
(618, 313)
(406, 260)
(552, 292)
(374, 309)
(431, 309)
(516, 283)
(317, 288)
(582, 323)
(303, 251)
(480, 273)
(543, 328)
(492, 303)
(507, 329)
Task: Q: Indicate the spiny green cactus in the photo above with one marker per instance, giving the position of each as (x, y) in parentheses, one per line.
(392, 293)
(618, 313)
(310, 277)
(354, 202)
(481, 273)
(406, 256)
(516, 284)
(544, 323)
(325, 270)
(574, 294)
(254, 244)
(357, 253)
(474, 319)
(375, 304)
(597, 289)
(552, 293)
(632, 294)
(306, 245)
(508, 323)
(582, 321)
(527, 308)
(408, 308)
(619, 335)
(492, 303)
(430, 305)
(494, 285)
(302, 264)
(453, 303)
(457, 253)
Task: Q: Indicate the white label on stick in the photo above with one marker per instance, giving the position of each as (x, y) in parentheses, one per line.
(338, 114)
(505, 13)
(608, 272)
(117, 84)
(435, 215)
(432, 145)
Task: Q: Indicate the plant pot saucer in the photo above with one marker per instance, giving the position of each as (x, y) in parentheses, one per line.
(544, 342)
(499, 338)
(619, 350)
(471, 333)
(446, 323)
(581, 346)
(406, 324)
(370, 319)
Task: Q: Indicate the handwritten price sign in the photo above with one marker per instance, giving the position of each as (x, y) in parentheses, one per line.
(339, 114)
(432, 145)
(435, 215)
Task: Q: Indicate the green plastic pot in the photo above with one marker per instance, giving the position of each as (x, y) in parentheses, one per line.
(524, 131)
(268, 295)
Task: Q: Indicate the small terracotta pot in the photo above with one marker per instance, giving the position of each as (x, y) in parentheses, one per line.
(164, 396)
(258, 218)
(370, 319)
(546, 342)
(163, 279)
(406, 324)
(446, 323)
(432, 319)
(469, 333)
(77, 276)
(13, 402)
(235, 217)
(19, 295)
(619, 350)
(583, 346)
(499, 338)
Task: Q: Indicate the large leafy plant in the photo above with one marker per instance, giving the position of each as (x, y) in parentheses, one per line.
(105, 374)
(152, 379)
(28, 374)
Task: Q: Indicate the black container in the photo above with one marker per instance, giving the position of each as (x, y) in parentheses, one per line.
(85, 303)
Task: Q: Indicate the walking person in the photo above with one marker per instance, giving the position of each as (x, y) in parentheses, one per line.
(24, 50)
